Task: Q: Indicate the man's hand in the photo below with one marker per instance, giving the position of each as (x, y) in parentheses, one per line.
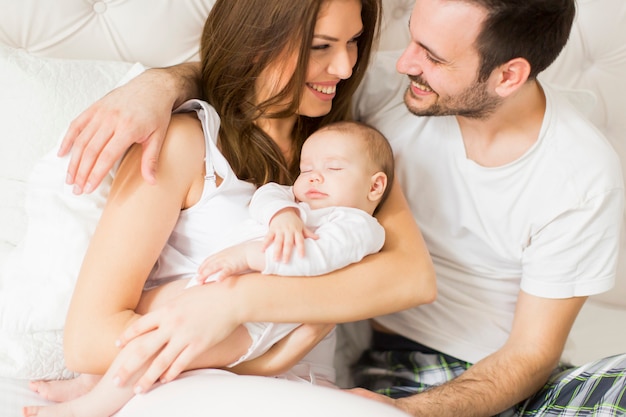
(137, 112)
(362, 392)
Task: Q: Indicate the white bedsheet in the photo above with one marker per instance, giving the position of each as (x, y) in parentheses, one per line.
(220, 393)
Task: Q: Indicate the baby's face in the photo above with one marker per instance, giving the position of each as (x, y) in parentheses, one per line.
(334, 171)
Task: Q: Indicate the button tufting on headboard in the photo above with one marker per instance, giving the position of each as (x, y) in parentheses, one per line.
(99, 7)
(153, 32)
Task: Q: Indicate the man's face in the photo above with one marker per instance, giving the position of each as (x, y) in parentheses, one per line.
(442, 61)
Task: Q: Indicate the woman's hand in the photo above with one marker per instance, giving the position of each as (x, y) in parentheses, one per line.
(177, 333)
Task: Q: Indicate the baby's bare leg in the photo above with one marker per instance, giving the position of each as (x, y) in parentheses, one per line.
(103, 400)
(106, 398)
(65, 390)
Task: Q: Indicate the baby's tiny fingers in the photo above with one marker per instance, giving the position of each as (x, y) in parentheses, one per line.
(267, 242)
(287, 249)
(300, 245)
(278, 247)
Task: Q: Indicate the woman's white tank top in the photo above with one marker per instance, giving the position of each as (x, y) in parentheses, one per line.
(205, 227)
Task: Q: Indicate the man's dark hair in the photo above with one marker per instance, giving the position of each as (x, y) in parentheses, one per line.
(536, 30)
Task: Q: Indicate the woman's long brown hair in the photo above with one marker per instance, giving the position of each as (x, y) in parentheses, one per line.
(240, 39)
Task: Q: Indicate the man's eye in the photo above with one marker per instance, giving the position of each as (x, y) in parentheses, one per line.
(431, 59)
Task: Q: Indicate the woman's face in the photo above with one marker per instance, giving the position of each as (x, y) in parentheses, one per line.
(333, 54)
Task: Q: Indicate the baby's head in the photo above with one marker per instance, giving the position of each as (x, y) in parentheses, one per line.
(346, 164)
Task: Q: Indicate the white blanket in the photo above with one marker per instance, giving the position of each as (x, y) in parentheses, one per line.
(37, 276)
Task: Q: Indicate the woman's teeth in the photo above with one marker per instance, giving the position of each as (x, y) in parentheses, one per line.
(325, 89)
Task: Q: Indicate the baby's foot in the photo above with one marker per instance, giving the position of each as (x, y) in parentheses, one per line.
(64, 390)
(56, 410)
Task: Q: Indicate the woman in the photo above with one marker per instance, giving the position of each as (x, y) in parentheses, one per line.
(274, 71)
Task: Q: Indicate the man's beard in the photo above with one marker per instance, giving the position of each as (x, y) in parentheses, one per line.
(473, 102)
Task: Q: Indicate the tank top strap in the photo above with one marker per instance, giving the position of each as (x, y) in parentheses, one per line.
(210, 121)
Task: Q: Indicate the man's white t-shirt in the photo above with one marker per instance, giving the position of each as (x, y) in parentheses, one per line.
(547, 223)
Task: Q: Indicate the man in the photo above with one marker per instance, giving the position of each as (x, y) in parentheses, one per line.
(520, 202)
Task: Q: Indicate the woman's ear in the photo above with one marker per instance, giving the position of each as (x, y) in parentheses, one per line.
(377, 186)
(511, 76)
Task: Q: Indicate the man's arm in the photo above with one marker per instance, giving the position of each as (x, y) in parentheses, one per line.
(137, 112)
(508, 376)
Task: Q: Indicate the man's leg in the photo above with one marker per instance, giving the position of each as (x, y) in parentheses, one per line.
(398, 367)
(594, 389)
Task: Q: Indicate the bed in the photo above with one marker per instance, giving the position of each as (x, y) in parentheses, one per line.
(57, 57)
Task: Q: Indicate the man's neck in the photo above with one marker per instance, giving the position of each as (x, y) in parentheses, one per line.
(509, 132)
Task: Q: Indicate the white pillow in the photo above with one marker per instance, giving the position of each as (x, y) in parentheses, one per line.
(38, 99)
(40, 96)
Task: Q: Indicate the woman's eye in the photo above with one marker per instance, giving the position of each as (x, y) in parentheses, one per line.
(355, 40)
(320, 47)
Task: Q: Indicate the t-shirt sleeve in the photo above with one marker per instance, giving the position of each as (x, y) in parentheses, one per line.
(575, 254)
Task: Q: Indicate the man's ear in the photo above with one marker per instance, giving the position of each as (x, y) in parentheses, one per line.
(511, 76)
(377, 186)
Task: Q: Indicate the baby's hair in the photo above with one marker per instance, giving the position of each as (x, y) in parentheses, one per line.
(378, 148)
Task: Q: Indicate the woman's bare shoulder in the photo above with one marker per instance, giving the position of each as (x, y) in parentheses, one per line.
(184, 140)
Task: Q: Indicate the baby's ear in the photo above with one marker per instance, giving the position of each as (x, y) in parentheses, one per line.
(377, 186)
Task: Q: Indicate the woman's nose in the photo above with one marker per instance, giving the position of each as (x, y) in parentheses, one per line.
(342, 63)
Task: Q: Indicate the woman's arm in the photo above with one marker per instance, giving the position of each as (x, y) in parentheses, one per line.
(399, 277)
(136, 112)
(125, 246)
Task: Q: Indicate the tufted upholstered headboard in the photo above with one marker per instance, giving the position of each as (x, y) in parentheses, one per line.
(162, 32)
(155, 33)
(165, 32)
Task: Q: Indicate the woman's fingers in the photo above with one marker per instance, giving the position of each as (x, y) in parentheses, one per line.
(161, 363)
(138, 354)
(144, 324)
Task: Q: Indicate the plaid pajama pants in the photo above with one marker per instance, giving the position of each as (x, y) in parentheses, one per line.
(595, 389)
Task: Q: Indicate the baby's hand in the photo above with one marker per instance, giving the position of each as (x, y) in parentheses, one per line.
(230, 261)
(286, 231)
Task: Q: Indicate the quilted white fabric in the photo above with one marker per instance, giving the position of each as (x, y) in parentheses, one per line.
(40, 97)
(153, 32)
